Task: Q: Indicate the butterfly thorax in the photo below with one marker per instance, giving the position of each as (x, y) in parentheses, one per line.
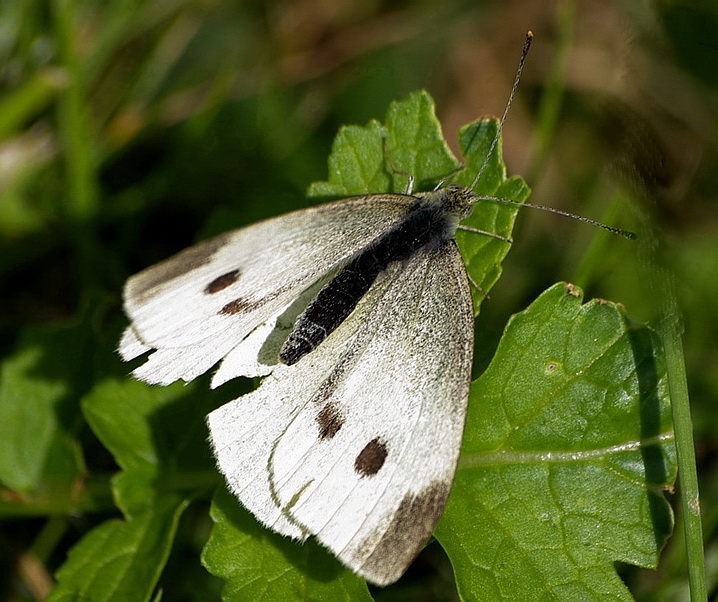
(429, 223)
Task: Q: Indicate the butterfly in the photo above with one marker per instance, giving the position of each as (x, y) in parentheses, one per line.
(355, 436)
(359, 313)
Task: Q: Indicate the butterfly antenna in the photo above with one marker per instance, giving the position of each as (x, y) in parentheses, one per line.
(580, 218)
(524, 51)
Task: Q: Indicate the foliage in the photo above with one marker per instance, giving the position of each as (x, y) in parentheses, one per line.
(128, 130)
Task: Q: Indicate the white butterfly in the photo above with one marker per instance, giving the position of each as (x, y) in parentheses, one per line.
(355, 436)
(361, 312)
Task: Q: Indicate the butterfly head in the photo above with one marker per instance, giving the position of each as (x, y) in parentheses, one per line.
(456, 201)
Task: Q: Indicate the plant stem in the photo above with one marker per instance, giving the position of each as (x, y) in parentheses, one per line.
(671, 330)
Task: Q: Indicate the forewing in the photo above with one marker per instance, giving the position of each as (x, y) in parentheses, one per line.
(198, 305)
(359, 440)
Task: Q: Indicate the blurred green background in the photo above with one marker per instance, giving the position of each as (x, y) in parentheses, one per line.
(130, 129)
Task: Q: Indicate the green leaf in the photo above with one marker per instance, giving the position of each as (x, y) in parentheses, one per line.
(39, 388)
(258, 565)
(353, 164)
(156, 434)
(121, 560)
(567, 448)
(158, 437)
(415, 144)
(364, 160)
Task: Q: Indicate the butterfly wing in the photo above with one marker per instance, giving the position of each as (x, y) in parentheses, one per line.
(357, 443)
(194, 308)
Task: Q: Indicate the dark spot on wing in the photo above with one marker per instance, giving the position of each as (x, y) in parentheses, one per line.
(239, 306)
(242, 305)
(410, 528)
(143, 284)
(222, 282)
(330, 421)
(371, 458)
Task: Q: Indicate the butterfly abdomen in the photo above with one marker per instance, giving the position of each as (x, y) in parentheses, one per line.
(426, 223)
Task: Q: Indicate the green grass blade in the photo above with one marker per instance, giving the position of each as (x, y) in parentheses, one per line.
(671, 330)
